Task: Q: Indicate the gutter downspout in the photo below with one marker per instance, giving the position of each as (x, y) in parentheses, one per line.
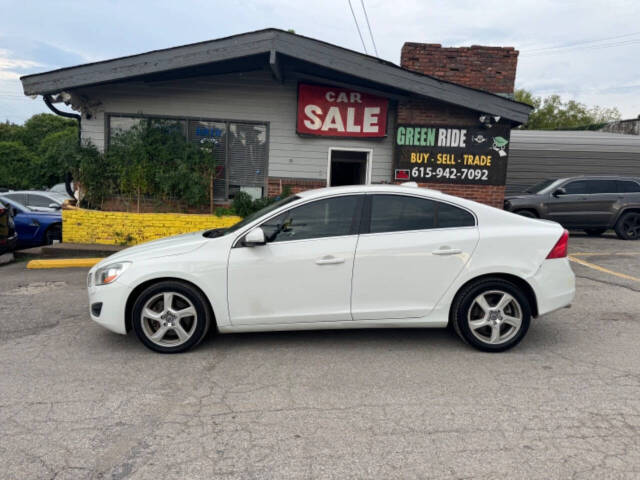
(49, 103)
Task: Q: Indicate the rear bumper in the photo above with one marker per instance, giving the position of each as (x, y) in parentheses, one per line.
(554, 285)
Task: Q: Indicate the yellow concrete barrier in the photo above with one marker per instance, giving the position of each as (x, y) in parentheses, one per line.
(123, 228)
(63, 263)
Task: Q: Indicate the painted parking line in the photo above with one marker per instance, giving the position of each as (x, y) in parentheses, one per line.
(63, 263)
(602, 269)
(593, 254)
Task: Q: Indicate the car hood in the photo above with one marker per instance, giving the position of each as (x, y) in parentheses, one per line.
(175, 245)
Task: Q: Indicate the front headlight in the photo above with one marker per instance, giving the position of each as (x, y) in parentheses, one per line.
(110, 273)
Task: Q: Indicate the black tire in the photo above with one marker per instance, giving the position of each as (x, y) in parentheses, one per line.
(628, 226)
(202, 319)
(54, 232)
(595, 232)
(466, 300)
(526, 213)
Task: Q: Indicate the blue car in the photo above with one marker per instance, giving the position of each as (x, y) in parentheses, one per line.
(34, 228)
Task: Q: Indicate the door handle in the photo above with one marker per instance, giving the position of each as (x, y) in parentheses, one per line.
(447, 251)
(329, 260)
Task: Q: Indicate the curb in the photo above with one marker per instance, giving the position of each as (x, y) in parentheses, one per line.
(63, 263)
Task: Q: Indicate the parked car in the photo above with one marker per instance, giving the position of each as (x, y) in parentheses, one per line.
(34, 228)
(8, 235)
(61, 189)
(38, 201)
(590, 203)
(342, 257)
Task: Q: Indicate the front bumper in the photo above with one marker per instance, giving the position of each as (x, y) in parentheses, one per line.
(554, 285)
(113, 298)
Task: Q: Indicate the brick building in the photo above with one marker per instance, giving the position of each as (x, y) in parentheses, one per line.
(280, 109)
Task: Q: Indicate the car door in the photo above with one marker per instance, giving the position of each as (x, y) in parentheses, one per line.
(587, 203)
(408, 255)
(303, 273)
(27, 227)
(568, 208)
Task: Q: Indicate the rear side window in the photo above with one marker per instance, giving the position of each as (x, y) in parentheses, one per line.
(601, 186)
(628, 186)
(450, 217)
(397, 213)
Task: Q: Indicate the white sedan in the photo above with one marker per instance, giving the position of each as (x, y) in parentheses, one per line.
(373, 256)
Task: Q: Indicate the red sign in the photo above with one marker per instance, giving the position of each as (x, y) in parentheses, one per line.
(340, 112)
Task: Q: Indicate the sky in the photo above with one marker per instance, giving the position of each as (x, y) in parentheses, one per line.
(582, 50)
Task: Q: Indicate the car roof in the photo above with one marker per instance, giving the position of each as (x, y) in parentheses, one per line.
(409, 188)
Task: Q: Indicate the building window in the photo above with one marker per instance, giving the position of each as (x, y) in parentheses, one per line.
(239, 148)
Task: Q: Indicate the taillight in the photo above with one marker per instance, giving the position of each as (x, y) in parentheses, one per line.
(560, 248)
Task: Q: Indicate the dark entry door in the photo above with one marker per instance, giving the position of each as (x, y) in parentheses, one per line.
(348, 168)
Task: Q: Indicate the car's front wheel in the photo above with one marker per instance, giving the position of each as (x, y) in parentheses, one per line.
(628, 226)
(492, 315)
(171, 317)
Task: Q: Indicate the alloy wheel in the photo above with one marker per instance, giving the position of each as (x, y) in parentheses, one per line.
(169, 319)
(495, 317)
(631, 225)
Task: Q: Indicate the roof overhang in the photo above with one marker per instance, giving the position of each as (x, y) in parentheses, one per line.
(274, 44)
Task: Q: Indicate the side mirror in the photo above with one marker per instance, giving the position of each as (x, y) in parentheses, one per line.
(255, 238)
(559, 191)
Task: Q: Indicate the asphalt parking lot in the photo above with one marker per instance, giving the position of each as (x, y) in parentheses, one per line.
(77, 401)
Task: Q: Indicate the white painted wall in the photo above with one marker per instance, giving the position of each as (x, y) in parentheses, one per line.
(253, 96)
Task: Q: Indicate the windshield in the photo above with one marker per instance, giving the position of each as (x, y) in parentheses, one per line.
(269, 208)
(540, 187)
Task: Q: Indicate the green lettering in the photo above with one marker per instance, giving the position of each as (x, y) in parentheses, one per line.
(431, 137)
(400, 136)
(409, 137)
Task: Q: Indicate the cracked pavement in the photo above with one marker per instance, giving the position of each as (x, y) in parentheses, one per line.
(78, 402)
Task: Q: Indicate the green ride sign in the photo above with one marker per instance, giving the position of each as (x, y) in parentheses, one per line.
(444, 154)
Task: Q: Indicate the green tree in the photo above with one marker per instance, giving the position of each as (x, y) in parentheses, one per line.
(552, 113)
(36, 129)
(16, 165)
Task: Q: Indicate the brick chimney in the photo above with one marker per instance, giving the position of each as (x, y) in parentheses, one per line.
(492, 69)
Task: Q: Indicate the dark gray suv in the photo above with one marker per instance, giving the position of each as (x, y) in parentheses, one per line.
(593, 204)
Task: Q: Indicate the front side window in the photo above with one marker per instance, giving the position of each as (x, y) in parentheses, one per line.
(578, 187)
(331, 217)
(39, 201)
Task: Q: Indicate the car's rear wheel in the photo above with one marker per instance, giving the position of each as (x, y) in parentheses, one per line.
(526, 213)
(595, 232)
(492, 315)
(171, 317)
(628, 226)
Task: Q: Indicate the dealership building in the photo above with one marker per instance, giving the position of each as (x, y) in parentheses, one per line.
(282, 109)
